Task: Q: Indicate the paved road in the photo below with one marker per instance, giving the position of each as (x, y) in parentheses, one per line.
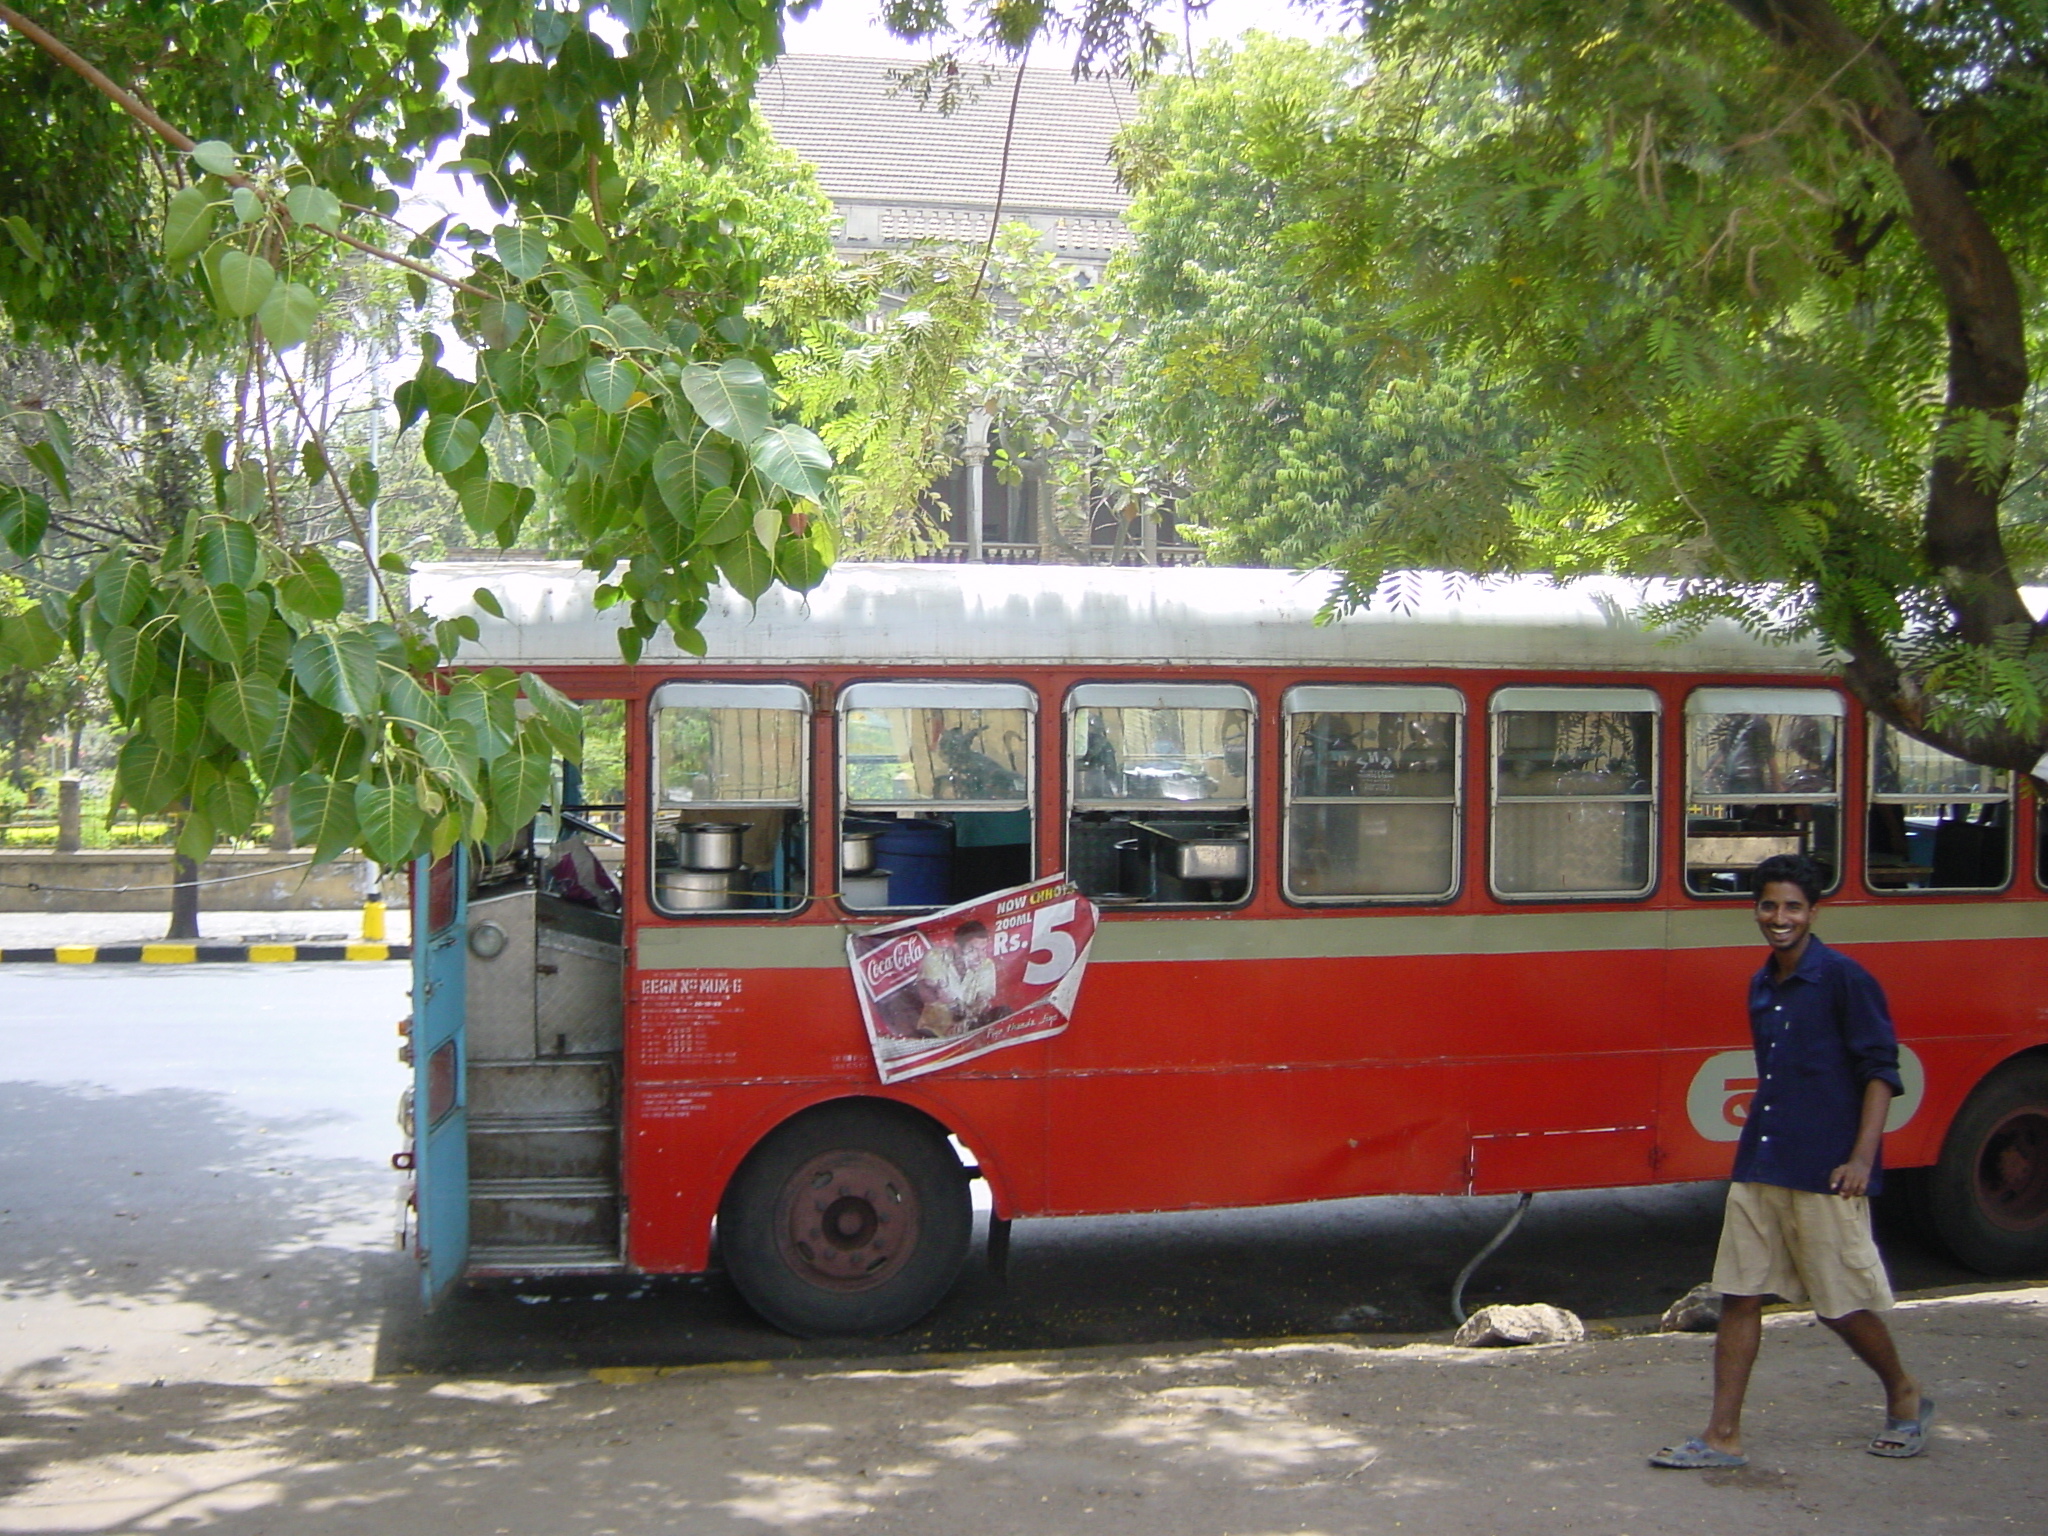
(194, 1186)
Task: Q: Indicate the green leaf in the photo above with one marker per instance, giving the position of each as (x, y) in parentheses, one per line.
(313, 461)
(630, 329)
(242, 282)
(28, 642)
(732, 397)
(683, 472)
(493, 506)
(288, 315)
(768, 524)
(405, 699)
(148, 775)
(522, 249)
(217, 620)
(196, 836)
(337, 670)
(188, 224)
(487, 600)
(312, 588)
(131, 659)
(364, 484)
(214, 157)
(553, 443)
(588, 233)
(247, 205)
(722, 517)
(323, 815)
(452, 441)
(793, 458)
(229, 553)
(25, 236)
(243, 711)
(802, 561)
(487, 711)
(247, 489)
(175, 720)
(51, 462)
(518, 781)
(314, 206)
(24, 519)
(296, 740)
(747, 567)
(388, 821)
(610, 382)
(231, 806)
(501, 323)
(122, 591)
(558, 716)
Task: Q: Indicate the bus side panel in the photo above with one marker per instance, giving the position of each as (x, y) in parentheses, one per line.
(1960, 1006)
(1325, 1078)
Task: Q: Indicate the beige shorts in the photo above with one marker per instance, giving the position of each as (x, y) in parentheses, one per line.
(1801, 1246)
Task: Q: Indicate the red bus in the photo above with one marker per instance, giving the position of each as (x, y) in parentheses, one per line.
(1446, 897)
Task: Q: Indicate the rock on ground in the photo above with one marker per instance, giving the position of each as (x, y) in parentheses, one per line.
(1538, 1323)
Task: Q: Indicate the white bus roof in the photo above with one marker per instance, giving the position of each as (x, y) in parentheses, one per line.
(905, 615)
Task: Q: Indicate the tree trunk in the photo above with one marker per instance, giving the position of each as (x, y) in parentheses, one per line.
(184, 899)
(1987, 359)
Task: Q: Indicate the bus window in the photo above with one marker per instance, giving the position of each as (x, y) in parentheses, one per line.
(729, 766)
(936, 780)
(1372, 792)
(1936, 822)
(1574, 791)
(1763, 776)
(1159, 792)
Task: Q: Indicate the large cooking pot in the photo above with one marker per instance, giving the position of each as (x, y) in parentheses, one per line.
(701, 890)
(857, 852)
(711, 844)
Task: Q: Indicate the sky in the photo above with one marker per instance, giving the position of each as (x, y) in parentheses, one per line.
(849, 27)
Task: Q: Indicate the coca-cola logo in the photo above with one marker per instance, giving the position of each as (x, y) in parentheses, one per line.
(895, 964)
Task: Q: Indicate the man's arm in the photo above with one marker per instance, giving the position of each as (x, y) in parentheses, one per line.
(1853, 1177)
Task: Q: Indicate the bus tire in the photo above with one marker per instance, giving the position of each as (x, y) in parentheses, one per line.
(852, 1220)
(1989, 1193)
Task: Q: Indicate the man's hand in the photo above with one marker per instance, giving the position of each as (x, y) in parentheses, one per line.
(1851, 1179)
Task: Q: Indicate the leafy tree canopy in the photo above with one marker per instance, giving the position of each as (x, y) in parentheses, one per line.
(605, 325)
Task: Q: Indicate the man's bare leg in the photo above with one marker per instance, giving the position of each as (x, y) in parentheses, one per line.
(1866, 1334)
(1736, 1340)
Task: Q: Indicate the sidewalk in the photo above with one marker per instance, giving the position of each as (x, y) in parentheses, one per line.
(259, 935)
(1330, 1437)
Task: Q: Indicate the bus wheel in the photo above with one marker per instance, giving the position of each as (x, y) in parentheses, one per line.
(851, 1220)
(1990, 1189)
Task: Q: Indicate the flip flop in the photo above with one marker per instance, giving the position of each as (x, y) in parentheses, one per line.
(1696, 1454)
(1904, 1437)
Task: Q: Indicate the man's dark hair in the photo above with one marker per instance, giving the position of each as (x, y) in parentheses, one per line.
(1792, 869)
(971, 929)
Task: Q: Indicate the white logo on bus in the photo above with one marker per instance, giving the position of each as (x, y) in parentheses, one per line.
(1718, 1101)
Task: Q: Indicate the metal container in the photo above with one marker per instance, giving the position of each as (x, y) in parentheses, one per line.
(1212, 858)
(712, 844)
(857, 852)
(700, 890)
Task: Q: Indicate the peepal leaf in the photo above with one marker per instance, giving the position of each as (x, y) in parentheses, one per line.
(389, 821)
(339, 671)
(794, 458)
(188, 225)
(452, 441)
(731, 397)
(523, 250)
(287, 315)
(242, 282)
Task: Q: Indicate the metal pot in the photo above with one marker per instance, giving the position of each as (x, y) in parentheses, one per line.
(712, 844)
(857, 852)
(700, 890)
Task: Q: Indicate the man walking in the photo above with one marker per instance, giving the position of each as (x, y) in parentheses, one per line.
(1798, 1217)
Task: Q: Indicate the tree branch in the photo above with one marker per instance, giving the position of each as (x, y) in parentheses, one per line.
(1987, 354)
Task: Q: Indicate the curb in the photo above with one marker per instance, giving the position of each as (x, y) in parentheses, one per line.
(201, 954)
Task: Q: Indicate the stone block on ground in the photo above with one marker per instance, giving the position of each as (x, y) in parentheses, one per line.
(1697, 1311)
(1537, 1323)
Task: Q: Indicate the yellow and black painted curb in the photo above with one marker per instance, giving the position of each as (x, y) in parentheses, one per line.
(202, 954)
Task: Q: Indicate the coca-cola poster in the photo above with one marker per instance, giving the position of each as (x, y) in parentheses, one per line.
(949, 986)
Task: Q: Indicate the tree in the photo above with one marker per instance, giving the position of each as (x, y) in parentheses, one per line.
(1305, 427)
(1755, 272)
(615, 341)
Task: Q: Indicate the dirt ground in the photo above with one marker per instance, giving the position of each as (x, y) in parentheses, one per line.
(1323, 1436)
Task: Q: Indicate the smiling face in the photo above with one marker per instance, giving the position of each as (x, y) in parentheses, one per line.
(1785, 917)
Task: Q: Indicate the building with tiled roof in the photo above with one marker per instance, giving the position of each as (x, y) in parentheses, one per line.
(899, 170)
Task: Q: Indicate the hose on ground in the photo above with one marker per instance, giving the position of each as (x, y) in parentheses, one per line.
(1507, 1230)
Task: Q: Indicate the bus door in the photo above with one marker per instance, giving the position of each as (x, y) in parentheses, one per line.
(440, 899)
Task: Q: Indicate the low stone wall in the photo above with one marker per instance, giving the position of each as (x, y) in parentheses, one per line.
(138, 880)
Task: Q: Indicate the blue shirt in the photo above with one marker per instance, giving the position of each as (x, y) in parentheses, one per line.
(1821, 1034)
